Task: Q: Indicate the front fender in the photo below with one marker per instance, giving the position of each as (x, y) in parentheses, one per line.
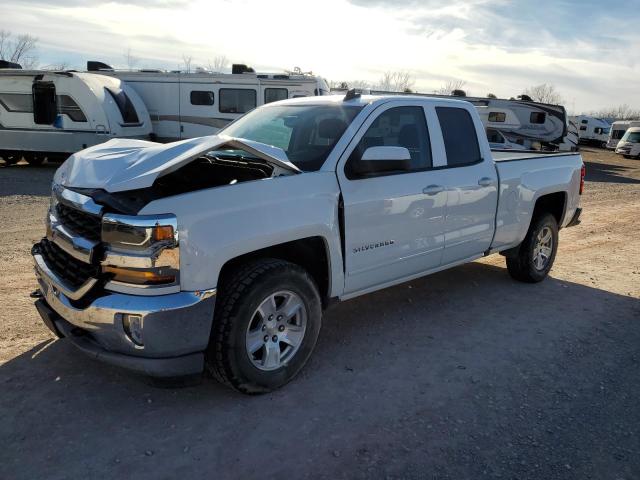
(219, 224)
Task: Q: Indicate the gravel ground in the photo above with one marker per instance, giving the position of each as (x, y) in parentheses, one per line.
(464, 374)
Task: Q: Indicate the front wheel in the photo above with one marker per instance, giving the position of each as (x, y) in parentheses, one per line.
(533, 259)
(266, 324)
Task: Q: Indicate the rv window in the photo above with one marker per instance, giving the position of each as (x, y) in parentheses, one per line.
(497, 116)
(617, 134)
(585, 121)
(583, 128)
(493, 136)
(459, 134)
(16, 102)
(275, 94)
(45, 107)
(68, 106)
(537, 117)
(234, 100)
(199, 97)
(127, 110)
(597, 130)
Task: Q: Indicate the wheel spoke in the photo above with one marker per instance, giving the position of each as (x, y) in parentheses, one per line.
(291, 307)
(255, 341)
(293, 335)
(546, 236)
(271, 357)
(268, 307)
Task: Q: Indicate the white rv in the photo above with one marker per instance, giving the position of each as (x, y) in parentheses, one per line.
(592, 130)
(629, 144)
(571, 139)
(618, 129)
(187, 105)
(497, 141)
(46, 114)
(532, 125)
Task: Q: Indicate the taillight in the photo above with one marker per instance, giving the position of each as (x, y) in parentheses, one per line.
(583, 171)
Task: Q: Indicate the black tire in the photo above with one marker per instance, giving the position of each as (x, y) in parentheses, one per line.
(520, 261)
(35, 159)
(240, 295)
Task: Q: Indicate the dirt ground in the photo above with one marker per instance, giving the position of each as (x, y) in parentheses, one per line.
(464, 374)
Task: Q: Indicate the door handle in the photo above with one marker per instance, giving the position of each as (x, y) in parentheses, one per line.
(485, 182)
(433, 189)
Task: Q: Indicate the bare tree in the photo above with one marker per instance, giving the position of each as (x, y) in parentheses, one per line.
(20, 49)
(399, 81)
(130, 59)
(362, 84)
(544, 93)
(186, 61)
(58, 67)
(491, 95)
(449, 87)
(219, 64)
(621, 112)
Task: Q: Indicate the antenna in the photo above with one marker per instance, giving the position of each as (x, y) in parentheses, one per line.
(351, 94)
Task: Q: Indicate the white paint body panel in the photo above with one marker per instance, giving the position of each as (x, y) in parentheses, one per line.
(482, 207)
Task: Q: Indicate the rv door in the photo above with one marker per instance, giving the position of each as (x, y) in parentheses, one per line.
(45, 108)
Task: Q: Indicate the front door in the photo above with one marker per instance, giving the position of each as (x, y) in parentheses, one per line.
(394, 222)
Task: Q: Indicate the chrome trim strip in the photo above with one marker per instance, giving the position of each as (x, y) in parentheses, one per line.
(79, 248)
(53, 280)
(77, 200)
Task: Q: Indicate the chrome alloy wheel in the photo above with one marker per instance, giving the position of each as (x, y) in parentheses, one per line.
(276, 330)
(543, 248)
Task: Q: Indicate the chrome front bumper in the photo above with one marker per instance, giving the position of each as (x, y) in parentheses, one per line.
(176, 327)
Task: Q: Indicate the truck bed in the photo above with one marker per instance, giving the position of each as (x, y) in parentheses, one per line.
(511, 155)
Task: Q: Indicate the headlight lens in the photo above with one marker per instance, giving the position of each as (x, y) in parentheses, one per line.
(155, 276)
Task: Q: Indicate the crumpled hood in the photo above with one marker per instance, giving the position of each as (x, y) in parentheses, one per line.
(126, 164)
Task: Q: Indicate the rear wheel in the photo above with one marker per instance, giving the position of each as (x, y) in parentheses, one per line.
(533, 259)
(266, 324)
(10, 157)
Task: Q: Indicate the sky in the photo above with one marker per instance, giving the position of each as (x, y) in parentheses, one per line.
(589, 50)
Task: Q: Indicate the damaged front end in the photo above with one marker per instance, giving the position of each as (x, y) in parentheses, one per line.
(110, 278)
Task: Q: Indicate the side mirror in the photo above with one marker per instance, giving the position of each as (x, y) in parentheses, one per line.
(383, 159)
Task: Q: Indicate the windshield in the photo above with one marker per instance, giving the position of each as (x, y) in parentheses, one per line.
(631, 137)
(307, 133)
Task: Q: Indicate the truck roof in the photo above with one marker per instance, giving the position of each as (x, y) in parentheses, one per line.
(363, 100)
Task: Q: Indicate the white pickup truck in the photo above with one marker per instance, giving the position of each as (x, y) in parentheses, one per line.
(220, 253)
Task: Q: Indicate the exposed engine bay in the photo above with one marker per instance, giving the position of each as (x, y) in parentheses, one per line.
(212, 169)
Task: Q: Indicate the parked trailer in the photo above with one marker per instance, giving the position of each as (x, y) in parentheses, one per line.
(592, 130)
(187, 105)
(50, 115)
(618, 129)
(532, 125)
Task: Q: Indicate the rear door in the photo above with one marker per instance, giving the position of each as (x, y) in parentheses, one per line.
(393, 221)
(472, 187)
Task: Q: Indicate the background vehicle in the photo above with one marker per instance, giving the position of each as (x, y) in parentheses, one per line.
(629, 145)
(571, 139)
(54, 114)
(618, 130)
(224, 250)
(533, 125)
(497, 141)
(188, 105)
(592, 130)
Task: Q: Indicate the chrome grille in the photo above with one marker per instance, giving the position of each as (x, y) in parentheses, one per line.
(82, 223)
(72, 271)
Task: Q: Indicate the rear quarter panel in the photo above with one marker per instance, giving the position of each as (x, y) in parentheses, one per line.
(523, 182)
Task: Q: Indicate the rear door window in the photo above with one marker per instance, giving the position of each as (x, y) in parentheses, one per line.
(275, 94)
(459, 135)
